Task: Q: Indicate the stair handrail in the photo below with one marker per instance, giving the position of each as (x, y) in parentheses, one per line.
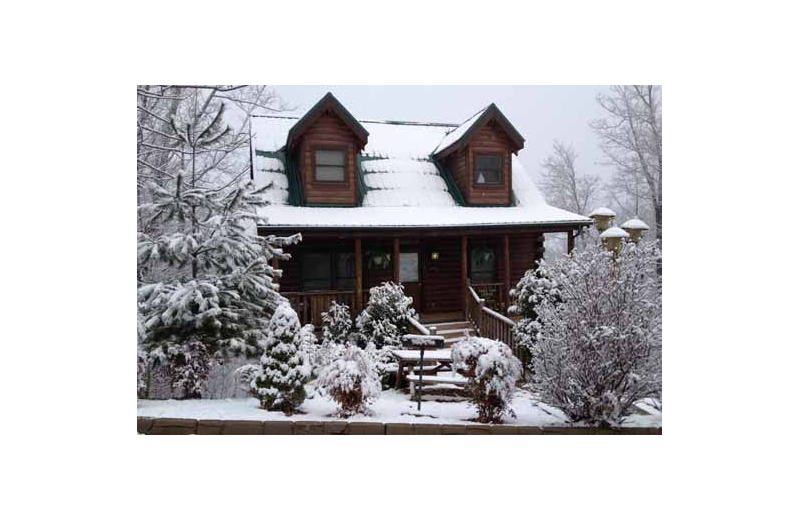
(420, 327)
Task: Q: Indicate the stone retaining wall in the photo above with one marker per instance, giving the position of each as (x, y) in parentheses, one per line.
(152, 426)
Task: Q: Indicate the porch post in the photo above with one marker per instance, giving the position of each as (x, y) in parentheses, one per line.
(507, 269)
(570, 241)
(359, 290)
(464, 273)
(396, 260)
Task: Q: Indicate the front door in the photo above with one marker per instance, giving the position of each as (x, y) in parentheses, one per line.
(409, 276)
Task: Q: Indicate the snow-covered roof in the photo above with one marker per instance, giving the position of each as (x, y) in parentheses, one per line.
(635, 223)
(603, 212)
(457, 133)
(614, 232)
(399, 174)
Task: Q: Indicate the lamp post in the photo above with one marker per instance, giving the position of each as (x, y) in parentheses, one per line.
(612, 238)
(602, 218)
(636, 229)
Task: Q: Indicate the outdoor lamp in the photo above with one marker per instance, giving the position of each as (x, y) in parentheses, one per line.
(434, 255)
(602, 218)
(612, 238)
(636, 229)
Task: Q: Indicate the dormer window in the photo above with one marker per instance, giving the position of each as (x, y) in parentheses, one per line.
(488, 168)
(329, 165)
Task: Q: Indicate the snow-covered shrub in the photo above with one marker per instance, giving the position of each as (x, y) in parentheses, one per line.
(245, 375)
(187, 363)
(336, 323)
(351, 379)
(493, 371)
(284, 370)
(385, 319)
(595, 333)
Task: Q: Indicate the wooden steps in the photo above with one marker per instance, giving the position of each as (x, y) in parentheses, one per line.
(453, 331)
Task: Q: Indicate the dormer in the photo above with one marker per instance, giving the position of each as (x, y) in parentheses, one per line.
(325, 143)
(478, 156)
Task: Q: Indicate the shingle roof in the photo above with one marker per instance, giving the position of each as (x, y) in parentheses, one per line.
(399, 174)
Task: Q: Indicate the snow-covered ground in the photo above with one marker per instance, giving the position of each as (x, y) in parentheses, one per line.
(392, 406)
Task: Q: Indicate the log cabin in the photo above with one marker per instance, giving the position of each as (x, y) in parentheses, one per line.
(447, 210)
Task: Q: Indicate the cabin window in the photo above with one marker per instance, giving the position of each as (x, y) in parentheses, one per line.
(483, 265)
(488, 168)
(328, 271)
(329, 165)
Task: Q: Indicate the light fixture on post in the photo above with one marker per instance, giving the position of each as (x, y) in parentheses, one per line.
(434, 255)
(612, 238)
(602, 218)
(636, 229)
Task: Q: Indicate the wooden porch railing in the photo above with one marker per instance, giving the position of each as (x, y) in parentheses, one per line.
(495, 295)
(310, 305)
(422, 329)
(489, 323)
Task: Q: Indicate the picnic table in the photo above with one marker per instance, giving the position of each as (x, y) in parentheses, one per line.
(410, 358)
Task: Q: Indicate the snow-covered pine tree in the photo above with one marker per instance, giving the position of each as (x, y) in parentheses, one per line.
(351, 379)
(336, 323)
(218, 287)
(386, 318)
(594, 330)
(493, 371)
(284, 369)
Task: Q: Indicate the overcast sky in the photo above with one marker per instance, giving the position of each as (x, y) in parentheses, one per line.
(541, 114)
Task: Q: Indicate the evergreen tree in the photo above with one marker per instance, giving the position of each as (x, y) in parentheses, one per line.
(215, 284)
(284, 369)
(386, 318)
(336, 323)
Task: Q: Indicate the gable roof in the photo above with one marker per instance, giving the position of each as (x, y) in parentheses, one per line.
(461, 135)
(328, 101)
(405, 187)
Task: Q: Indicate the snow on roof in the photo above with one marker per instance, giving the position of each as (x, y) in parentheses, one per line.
(603, 212)
(635, 223)
(458, 132)
(614, 232)
(399, 174)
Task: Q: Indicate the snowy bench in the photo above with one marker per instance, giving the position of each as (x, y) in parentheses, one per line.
(414, 380)
(440, 359)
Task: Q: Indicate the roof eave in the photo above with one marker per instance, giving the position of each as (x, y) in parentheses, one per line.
(491, 112)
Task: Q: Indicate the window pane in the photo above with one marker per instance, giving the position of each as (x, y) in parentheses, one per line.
(330, 157)
(491, 162)
(330, 173)
(345, 270)
(316, 271)
(488, 169)
(483, 265)
(409, 267)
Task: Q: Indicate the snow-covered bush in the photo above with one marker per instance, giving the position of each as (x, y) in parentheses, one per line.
(386, 318)
(351, 379)
(594, 331)
(245, 375)
(336, 323)
(284, 369)
(187, 363)
(493, 371)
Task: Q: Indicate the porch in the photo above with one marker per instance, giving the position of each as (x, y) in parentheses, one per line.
(443, 271)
